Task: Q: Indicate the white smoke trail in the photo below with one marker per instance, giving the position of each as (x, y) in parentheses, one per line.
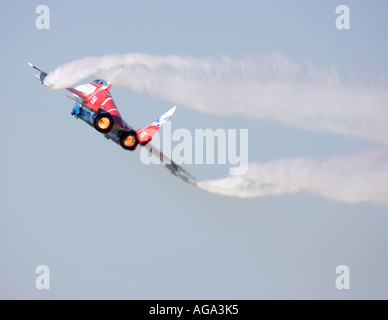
(269, 87)
(356, 178)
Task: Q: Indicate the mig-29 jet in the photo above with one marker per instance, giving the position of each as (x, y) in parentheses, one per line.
(94, 105)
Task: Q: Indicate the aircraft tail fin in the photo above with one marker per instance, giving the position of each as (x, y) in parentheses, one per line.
(77, 93)
(145, 135)
(107, 85)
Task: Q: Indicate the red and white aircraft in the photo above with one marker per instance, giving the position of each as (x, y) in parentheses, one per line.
(94, 105)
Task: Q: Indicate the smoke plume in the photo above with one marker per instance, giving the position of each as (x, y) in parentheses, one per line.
(271, 87)
(354, 178)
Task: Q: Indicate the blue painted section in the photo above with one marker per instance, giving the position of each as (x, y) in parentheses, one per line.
(85, 114)
(80, 112)
(76, 111)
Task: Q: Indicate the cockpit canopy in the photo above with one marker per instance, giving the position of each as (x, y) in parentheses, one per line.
(98, 81)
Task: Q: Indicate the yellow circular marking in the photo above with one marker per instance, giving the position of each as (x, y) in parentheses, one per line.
(129, 141)
(104, 123)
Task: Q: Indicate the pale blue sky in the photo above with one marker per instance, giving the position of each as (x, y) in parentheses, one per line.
(109, 227)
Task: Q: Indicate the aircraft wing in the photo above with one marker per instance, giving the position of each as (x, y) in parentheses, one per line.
(41, 74)
(171, 165)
